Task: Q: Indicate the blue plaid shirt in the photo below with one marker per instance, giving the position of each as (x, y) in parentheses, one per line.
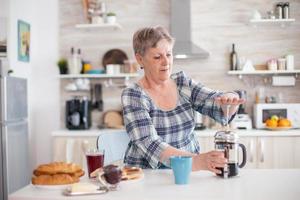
(152, 130)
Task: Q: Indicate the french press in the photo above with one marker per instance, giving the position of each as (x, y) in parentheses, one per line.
(227, 141)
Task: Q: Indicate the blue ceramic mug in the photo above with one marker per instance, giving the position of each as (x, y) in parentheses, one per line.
(182, 167)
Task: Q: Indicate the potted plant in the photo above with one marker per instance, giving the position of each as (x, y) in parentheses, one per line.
(63, 66)
(111, 18)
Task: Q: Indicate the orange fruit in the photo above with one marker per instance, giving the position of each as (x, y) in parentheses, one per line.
(271, 123)
(284, 122)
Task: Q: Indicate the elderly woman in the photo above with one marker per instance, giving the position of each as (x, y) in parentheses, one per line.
(159, 109)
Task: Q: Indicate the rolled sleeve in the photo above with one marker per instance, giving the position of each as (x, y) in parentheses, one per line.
(140, 128)
(202, 98)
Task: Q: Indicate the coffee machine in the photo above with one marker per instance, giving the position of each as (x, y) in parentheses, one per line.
(226, 141)
(242, 120)
(78, 113)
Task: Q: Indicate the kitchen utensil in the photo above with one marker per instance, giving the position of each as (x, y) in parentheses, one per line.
(114, 56)
(226, 141)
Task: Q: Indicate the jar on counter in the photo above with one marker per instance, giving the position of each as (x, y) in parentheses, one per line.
(272, 64)
(286, 10)
(281, 64)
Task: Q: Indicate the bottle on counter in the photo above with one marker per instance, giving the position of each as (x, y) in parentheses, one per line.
(233, 59)
(74, 65)
(79, 60)
(286, 10)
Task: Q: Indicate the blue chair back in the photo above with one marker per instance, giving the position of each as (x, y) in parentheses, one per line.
(114, 145)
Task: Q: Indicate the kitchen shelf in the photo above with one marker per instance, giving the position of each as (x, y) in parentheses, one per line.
(98, 26)
(121, 75)
(281, 22)
(263, 72)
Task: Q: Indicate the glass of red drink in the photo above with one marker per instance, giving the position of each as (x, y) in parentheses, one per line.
(95, 159)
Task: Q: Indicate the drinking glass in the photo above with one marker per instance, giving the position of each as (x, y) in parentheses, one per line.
(95, 159)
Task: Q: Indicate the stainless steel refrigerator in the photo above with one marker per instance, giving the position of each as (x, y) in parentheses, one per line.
(14, 150)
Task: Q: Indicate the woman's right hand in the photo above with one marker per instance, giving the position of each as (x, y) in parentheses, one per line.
(209, 161)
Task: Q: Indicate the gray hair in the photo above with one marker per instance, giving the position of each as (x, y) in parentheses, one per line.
(148, 37)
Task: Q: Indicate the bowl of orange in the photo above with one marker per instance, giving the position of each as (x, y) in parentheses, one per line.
(278, 123)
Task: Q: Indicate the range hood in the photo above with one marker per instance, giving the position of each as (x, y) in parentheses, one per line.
(181, 30)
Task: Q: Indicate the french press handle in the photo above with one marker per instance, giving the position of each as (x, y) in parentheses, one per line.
(244, 155)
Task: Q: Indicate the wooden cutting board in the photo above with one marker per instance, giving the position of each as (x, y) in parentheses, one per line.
(113, 119)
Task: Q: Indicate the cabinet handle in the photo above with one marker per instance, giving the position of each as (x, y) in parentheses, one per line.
(262, 150)
(251, 150)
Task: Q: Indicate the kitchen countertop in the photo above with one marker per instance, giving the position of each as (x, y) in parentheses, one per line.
(258, 184)
(202, 133)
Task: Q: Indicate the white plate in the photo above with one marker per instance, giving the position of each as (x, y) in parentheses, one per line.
(278, 128)
(52, 187)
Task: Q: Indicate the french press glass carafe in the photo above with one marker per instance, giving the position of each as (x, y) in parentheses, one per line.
(226, 141)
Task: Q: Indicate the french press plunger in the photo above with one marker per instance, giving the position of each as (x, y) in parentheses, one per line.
(227, 141)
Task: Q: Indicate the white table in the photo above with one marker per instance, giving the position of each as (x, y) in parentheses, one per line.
(258, 184)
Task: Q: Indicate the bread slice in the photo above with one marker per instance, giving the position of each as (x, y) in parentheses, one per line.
(131, 173)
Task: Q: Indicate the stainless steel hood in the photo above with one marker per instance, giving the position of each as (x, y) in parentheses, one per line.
(181, 29)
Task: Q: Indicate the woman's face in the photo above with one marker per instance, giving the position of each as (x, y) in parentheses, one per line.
(157, 61)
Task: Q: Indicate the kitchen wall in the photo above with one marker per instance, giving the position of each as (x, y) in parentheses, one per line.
(41, 71)
(3, 19)
(215, 26)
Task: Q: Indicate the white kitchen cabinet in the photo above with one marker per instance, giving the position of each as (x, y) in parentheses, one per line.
(264, 152)
(251, 148)
(296, 152)
(271, 152)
